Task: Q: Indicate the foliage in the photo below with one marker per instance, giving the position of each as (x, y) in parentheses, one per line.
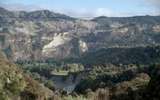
(12, 82)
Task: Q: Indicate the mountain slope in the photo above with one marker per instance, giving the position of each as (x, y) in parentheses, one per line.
(43, 34)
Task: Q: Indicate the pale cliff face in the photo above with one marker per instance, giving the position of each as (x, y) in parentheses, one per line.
(59, 39)
(83, 46)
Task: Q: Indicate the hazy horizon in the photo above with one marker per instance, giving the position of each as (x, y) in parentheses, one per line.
(88, 8)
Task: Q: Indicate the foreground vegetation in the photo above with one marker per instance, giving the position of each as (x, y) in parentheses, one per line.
(100, 82)
(97, 82)
(15, 85)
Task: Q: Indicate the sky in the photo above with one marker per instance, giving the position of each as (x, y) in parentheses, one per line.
(88, 8)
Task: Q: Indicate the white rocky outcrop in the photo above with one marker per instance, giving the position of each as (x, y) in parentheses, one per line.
(83, 46)
(58, 40)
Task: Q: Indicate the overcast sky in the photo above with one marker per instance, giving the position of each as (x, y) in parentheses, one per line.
(88, 8)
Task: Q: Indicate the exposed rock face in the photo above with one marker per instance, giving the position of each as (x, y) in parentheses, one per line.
(43, 34)
(59, 47)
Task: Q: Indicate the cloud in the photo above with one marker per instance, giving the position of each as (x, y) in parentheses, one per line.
(155, 3)
(104, 12)
(86, 13)
(90, 13)
(76, 13)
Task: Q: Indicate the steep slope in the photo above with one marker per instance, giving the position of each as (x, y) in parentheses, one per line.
(43, 34)
(15, 85)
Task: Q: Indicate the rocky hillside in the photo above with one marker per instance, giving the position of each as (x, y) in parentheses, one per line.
(44, 34)
(15, 85)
